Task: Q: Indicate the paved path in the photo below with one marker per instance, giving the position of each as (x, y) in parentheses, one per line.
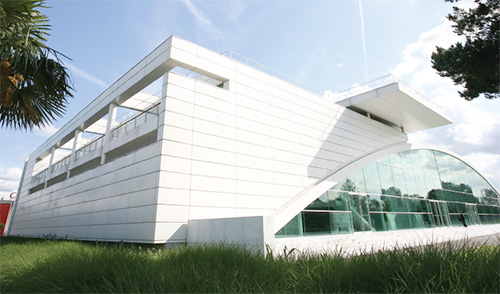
(493, 240)
(374, 241)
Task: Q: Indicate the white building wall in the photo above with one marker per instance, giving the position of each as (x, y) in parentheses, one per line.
(243, 150)
(249, 149)
(113, 202)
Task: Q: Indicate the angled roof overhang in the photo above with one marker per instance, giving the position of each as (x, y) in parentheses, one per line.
(398, 105)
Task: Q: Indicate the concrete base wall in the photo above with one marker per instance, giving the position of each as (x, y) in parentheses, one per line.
(252, 233)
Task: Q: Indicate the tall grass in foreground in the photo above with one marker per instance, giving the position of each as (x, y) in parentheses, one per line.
(73, 267)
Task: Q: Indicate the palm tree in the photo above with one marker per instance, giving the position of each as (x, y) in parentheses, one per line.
(34, 85)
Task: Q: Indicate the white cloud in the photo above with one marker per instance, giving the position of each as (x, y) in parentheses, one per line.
(418, 54)
(46, 131)
(9, 181)
(475, 127)
(84, 75)
(204, 23)
(487, 164)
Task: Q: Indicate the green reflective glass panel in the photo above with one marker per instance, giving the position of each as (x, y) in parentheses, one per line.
(316, 223)
(395, 160)
(386, 181)
(358, 180)
(375, 203)
(401, 221)
(360, 212)
(372, 178)
(399, 180)
(411, 189)
(339, 201)
(321, 203)
(293, 228)
(341, 222)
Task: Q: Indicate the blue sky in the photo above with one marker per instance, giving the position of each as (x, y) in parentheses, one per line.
(330, 45)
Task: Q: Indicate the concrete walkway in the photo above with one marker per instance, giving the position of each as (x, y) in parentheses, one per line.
(373, 241)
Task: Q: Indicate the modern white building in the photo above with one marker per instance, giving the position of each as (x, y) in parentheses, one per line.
(227, 150)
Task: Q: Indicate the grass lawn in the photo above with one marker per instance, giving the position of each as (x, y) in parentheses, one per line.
(35, 265)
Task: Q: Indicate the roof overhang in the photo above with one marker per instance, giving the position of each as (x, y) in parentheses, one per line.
(400, 106)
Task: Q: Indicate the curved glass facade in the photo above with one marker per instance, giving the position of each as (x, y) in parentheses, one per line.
(410, 189)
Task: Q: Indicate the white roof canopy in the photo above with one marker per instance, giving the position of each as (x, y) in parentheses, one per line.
(399, 105)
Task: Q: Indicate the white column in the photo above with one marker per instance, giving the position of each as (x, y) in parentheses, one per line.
(161, 108)
(49, 169)
(109, 125)
(78, 135)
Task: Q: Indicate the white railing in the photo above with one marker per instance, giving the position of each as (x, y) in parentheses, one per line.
(268, 70)
(135, 122)
(40, 175)
(353, 91)
(90, 147)
(61, 163)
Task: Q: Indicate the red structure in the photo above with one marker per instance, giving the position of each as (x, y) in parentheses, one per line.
(5, 208)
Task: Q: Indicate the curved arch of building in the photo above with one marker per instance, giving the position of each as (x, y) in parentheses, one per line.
(288, 211)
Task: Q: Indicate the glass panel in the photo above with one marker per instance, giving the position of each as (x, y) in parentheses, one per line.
(420, 188)
(358, 182)
(412, 190)
(473, 214)
(386, 181)
(400, 221)
(409, 176)
(372, 180)
(396, 204)
(399, 180)
(424, 221)
(321, 203)
(316, 223)
(404, 221)
(293, 228)
(349, 185)
(379, 221)
(341, 222)
(375, 203)
(339, 201)
(360, 213)
(395, 160)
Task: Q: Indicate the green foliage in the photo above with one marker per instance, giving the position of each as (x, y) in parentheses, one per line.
(34, 84)
(71, 267)
(475, 63)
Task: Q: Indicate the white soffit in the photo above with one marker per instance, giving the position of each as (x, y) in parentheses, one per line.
(141, 101)
(398, 105)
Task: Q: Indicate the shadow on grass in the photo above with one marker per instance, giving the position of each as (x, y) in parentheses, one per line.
(20, 240)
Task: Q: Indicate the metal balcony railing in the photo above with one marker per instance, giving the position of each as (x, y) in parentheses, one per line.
(61, 163)
(40, 175)
(90, 147)
(353, 91)
(268, 70)
(135, 121)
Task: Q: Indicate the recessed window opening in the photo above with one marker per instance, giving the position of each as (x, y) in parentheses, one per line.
(91, 138)
(60, 158)
(41, 167)
(224, 84)
(132, 119)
